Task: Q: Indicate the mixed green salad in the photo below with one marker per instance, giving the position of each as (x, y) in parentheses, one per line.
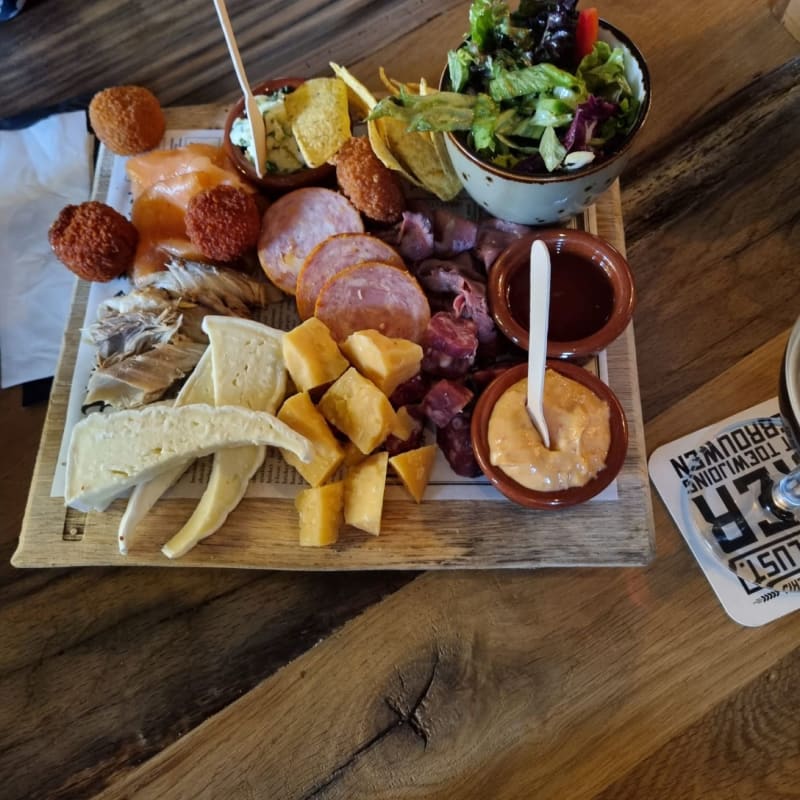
(530, 90)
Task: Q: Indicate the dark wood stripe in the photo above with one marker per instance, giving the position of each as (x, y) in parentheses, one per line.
(176, 49)
(206, 637)
(721, 196)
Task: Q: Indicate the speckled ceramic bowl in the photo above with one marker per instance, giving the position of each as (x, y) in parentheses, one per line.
(565, 497)
(548, 198)
(509, 276)
(274, 182)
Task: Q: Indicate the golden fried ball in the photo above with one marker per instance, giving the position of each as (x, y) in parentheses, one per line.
(369, 185)
(127, 119)
(96, 242)
(223, 223)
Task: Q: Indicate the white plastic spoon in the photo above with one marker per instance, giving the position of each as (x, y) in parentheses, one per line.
(254, 118)
(537, 337)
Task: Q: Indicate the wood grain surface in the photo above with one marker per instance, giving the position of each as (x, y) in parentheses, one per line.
(579, 683)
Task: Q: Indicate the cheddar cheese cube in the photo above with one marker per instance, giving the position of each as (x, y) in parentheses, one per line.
(385, 361)
(404, 424)
(312, 356)
(414, 469)
(364, 487)
(359, 409)
(320, 509)
(299, 413)
(352, 455)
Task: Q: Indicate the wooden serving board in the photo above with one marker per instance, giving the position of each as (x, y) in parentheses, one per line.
(262, 533)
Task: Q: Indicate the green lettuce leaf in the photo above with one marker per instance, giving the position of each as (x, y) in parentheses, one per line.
(603, 72)
(484, 15)
(458, 64)
(440, 111)
(487, 116)
(506, 84)
(552, 113)
(551, 150)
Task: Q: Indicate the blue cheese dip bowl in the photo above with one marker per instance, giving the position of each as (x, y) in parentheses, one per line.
(273, 182)
(547, 198)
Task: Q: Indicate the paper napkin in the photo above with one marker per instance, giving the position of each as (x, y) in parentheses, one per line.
(43, 167)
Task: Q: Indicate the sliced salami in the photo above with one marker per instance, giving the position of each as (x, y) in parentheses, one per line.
(295, 224)
(333, 255)
(374, 296)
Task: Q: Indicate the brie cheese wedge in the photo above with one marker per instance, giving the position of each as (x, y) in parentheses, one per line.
(199, 388)
(248, 370)
(110, 453)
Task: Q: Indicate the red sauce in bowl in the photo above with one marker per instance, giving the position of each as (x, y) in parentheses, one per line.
(581, 298)
(591, 292)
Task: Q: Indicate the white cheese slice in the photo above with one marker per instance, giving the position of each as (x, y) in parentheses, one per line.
(248, 370)
(199, 388)
(248, 366)
(110, 453)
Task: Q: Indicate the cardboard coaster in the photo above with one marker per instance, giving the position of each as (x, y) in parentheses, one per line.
(709, 479)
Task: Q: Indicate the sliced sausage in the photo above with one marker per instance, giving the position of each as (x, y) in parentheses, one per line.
(333, 255)
(295, 224)
(374, 296)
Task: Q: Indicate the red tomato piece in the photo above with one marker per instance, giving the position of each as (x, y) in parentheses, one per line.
(586, 32)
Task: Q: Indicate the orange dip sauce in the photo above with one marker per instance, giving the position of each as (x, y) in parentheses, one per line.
(580, 435)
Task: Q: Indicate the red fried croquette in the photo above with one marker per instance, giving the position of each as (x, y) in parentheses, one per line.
(223, 223)
(369, 185)
(127, 119)
(96, 242)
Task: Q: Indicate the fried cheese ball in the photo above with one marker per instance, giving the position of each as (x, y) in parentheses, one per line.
(96, 242)
(127, 119)
(369, 185)
(223, 223)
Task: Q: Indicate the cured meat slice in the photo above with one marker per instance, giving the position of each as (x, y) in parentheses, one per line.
(494, 235)
(374, 296)
(453, 233)
(411, 392)
(444, 400)
(449, 345)
(415, 236)
(295, 224)
(455, 442)
(333, 255)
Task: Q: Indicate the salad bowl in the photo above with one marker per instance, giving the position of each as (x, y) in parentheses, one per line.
(542, 198)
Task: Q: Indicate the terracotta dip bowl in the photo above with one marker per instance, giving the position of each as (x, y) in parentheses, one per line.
(549, 499)
(592, 294)
(272, 182)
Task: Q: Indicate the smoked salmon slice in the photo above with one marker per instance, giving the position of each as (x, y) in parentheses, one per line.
(159, 165)
(163, 182)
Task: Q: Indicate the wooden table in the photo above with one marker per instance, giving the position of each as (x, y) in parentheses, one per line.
(601, 683)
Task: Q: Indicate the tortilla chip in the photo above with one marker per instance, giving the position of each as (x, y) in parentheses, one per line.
(380, 146)
(320, 118)
(394, 86)
(437, 137)
(420, 157)
(358, 94)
